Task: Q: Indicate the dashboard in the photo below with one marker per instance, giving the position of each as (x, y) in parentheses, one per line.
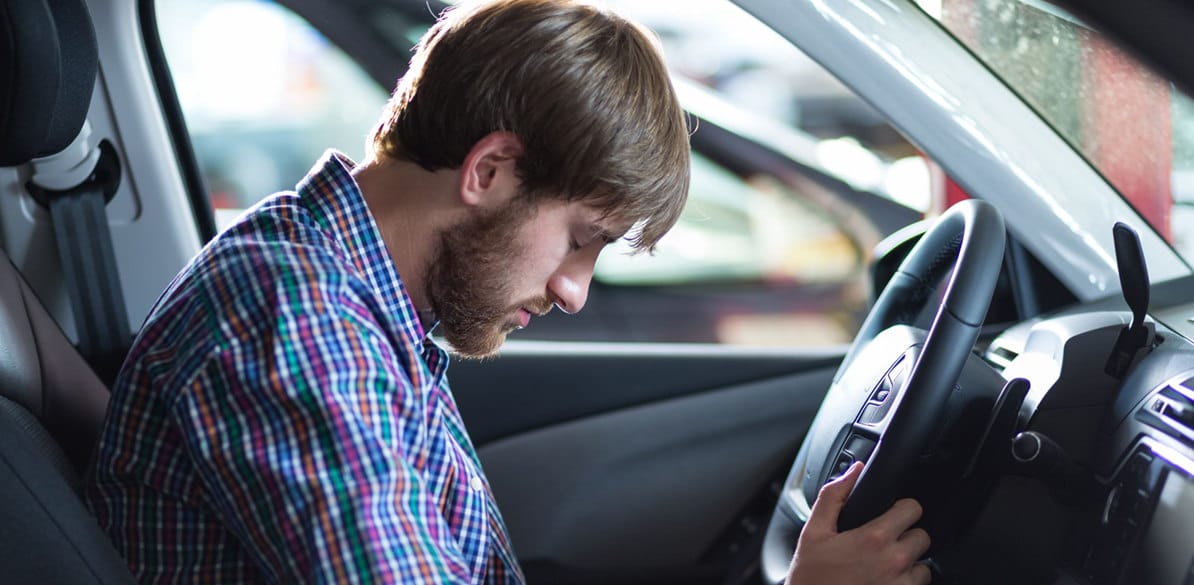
(1112, 499)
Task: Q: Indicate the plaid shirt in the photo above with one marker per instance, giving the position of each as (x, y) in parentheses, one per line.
(283, 417)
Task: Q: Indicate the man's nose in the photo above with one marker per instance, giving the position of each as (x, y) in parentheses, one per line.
(569, 286)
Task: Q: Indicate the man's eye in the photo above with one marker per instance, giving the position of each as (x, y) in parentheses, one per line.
(573, 245)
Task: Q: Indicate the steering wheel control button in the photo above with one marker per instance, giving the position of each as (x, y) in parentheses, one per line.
(856, 448)
(871, 414)
(844, 461)
(882, 391)
(859, 447)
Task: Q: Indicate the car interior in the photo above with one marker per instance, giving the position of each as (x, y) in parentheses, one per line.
(52, 402)
(1049, 436)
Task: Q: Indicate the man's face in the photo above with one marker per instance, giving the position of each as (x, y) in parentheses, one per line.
(497, 269)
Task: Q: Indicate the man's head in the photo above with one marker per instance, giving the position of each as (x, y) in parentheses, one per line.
(575, 105)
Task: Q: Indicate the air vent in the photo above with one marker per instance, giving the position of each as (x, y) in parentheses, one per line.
(1171, 410)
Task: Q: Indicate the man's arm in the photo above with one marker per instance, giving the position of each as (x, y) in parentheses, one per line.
(305, 441)
(882, 551)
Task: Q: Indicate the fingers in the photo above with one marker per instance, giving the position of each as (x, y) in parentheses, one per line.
(831, 499)
(918, 575)
(895, 521)
(906, 550)
(913, 544)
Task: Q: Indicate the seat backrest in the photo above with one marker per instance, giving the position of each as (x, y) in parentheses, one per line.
(51, 403)
(43, 380)
(51, 409)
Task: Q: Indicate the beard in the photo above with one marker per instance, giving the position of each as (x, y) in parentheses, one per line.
(470, 281)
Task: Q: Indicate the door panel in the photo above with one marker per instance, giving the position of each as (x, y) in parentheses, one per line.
(537, 384)
(627, 464)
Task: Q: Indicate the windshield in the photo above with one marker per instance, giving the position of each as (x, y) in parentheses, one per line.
(1135, 127)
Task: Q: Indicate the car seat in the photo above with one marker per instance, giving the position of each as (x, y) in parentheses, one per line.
(51, 402)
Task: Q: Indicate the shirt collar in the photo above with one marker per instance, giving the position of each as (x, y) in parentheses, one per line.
(333, 197)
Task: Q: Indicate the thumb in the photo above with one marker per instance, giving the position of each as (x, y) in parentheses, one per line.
(831, 499)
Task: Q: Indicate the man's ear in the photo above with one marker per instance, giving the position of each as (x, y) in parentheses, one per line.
(488, 173)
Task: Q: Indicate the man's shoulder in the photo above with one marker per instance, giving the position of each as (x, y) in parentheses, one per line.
(279, 231)
(274, 259)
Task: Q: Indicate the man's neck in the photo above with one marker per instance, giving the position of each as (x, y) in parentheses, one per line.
(410, 206)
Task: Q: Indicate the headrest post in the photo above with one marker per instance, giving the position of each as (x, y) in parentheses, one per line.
(69, 167)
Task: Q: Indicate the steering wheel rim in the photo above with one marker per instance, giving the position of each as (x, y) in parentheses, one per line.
(920, 372)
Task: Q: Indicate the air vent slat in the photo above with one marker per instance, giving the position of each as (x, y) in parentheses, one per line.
(1171, 410)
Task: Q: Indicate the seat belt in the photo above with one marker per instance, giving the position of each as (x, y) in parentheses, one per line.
(75, 186)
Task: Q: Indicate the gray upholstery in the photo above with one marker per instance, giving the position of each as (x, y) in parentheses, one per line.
(49, 399)
(41, 371)
(46, 534)
(38, 440)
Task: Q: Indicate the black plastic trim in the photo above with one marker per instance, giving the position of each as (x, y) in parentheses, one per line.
(188, 164)
(517, 393)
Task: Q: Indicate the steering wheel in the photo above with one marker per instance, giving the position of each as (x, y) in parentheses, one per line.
(889, 399)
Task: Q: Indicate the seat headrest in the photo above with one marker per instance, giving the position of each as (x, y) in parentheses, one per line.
(48, 68)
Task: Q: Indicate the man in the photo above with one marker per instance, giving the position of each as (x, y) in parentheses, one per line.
(283, 416)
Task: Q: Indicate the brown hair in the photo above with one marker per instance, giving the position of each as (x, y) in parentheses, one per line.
(584, 90)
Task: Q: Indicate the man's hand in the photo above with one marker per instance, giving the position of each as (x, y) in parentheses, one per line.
(881, 551)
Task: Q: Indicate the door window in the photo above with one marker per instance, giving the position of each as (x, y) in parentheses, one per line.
(794, 178)
(264, 94)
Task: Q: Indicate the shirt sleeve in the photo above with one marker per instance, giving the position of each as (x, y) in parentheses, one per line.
(306, 439)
